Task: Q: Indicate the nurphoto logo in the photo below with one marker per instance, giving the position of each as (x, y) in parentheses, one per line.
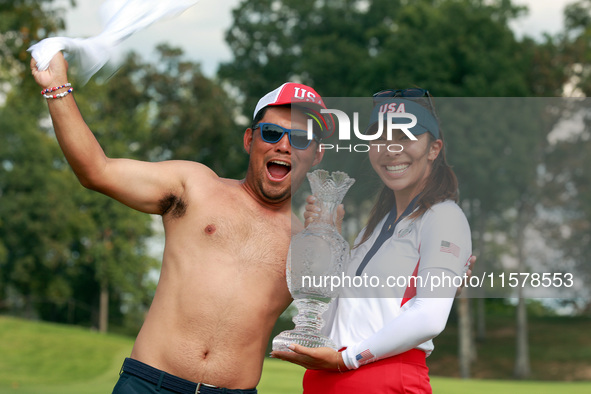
(344, 129)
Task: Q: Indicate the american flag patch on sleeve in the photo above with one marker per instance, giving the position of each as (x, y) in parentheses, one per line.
(364, 356)
(450, 247)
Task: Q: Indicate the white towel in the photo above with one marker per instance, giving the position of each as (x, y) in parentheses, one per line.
(120, 19)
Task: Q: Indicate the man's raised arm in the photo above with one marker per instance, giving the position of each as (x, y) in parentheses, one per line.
(140, 185)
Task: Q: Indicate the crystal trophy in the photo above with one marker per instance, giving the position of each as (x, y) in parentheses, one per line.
(315, 255)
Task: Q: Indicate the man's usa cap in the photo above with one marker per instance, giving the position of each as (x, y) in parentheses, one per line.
(302, 96)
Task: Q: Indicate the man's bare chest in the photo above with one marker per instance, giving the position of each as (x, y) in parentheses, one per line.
(234, 233)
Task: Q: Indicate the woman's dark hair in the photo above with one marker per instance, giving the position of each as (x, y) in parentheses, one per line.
(441, 185)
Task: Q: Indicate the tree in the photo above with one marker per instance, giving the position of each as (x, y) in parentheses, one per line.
(33, 230)
(190, 116)
(567, 197)
(575, 43)
(23, 22)
(352, 48)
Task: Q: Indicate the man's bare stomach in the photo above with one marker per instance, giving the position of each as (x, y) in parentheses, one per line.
(217, 362)
(212, 332)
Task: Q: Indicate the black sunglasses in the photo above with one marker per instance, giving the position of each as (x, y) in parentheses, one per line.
(272, 133)
(410, 92)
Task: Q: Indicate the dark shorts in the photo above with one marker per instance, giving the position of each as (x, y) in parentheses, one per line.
(139, 378)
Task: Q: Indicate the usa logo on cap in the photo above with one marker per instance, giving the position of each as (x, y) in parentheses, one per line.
(302, 95)
(289, 92)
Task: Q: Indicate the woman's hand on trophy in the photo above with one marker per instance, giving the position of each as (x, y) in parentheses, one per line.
(313, 212)
(323, 358)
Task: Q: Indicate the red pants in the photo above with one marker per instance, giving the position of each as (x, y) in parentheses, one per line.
(403, 373)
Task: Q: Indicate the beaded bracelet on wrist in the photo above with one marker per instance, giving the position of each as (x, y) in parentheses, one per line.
(58, 95)
(48, 90)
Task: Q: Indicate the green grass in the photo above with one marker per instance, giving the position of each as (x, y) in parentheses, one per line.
(560, 349)
(47, 358)
(44, 358)
(457, 386)
(281, 377)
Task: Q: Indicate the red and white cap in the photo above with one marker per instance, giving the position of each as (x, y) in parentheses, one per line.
(293, 93)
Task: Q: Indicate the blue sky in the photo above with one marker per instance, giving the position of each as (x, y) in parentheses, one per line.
(207, 21)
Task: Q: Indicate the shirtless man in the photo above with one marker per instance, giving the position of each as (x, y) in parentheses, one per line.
(222, 284)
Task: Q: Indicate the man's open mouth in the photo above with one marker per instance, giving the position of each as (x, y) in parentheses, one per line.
(278, 169)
